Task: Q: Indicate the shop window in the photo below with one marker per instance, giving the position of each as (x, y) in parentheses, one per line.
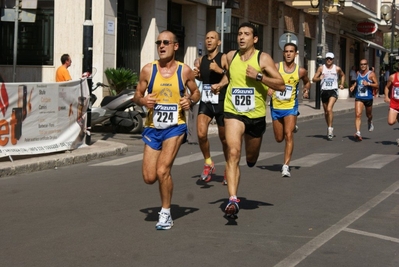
(329, 42)
(129, 35)
(35, 40)
(175, 23)
(259, 28)
(307, 56)
(230, 39)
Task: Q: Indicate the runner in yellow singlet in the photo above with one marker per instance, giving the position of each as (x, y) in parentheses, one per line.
(165, 80)
(284, 105)
(250, 73)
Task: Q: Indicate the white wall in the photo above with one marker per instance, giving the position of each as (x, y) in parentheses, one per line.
(194, 21)
(104, 15)
(153, 20)
(68, 39)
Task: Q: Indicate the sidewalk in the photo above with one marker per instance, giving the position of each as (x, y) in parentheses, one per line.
(102, 149)
(308, 111)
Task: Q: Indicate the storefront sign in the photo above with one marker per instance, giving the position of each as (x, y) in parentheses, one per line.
(366, 27)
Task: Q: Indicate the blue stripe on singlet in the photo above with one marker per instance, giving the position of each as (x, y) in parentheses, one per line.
(179, 78)
(154, 73)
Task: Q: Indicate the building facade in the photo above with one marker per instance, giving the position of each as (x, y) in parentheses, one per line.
(125, 31)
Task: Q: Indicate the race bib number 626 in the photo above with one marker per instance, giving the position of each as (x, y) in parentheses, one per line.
(243, 99)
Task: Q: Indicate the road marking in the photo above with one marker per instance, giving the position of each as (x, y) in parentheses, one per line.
(383, 237)
(262, 156)
(120, 161)
(313, 159)
(303, 252)
(194, 157)
(375, 161)
(178, 161)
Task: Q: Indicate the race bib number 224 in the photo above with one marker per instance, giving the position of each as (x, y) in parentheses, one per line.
(165, 115)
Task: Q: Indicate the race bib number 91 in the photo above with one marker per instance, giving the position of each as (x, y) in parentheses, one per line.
(286, 95)
(243, 99)
(165, 115)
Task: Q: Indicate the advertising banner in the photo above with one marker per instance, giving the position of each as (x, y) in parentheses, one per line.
(38, 118)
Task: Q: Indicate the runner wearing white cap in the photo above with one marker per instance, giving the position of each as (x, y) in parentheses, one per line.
(328, 75)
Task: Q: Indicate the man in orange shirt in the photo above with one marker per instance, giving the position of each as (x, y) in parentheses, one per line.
(62, 73)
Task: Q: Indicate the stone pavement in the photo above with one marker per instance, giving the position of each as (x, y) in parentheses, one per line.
(101, 149)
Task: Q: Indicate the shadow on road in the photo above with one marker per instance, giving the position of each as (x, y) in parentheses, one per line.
(245, 204)
(176, 210)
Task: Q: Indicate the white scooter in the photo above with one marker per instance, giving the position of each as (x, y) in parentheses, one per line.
(119, 111)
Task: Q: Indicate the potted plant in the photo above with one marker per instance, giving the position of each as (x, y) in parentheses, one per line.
(344, 93)
(120, 79)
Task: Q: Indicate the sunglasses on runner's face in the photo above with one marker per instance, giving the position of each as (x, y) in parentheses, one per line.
(165, 42)
(329, 58)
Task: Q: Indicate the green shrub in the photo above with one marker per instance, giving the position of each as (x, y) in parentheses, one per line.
(120, 79)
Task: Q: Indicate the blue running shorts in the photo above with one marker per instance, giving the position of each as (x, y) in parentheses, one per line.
(281, 113)
(154, 137)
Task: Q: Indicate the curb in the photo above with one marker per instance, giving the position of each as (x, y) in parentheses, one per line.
(66, 158)
(315, 114)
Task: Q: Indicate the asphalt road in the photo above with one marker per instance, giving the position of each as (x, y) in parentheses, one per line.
(339, 208)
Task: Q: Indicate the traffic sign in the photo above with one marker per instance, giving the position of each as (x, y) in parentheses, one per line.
(8, 14)
(287, 38)
(227, 20)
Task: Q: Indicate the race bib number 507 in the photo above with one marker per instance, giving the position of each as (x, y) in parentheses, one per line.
(243, 99)
(165, 115)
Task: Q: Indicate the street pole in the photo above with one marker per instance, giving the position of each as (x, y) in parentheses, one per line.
(393, 25)
(15, 51)
(88, 60)
(319, 54)
(222, 28)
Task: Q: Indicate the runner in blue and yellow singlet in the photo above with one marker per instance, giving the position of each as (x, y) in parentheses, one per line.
(284, 105)
(165, 81)
(365, 84)
(251, 72)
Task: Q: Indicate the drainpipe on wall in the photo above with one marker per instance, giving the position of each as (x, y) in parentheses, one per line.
(319, 54)
(88, 60)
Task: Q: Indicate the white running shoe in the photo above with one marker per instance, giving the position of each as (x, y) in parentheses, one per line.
(330, 133)
(165, 221)
(371, 126)
(296, 129)
(285, 171)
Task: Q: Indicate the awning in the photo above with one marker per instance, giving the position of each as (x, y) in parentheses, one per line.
(368, 42)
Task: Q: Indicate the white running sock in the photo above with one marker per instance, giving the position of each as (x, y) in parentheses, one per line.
(163, 210)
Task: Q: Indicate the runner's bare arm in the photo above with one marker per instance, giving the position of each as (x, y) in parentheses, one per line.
(272, 77)
(140, 98)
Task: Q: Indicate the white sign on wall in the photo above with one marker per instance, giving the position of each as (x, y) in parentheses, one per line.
(110, 27)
